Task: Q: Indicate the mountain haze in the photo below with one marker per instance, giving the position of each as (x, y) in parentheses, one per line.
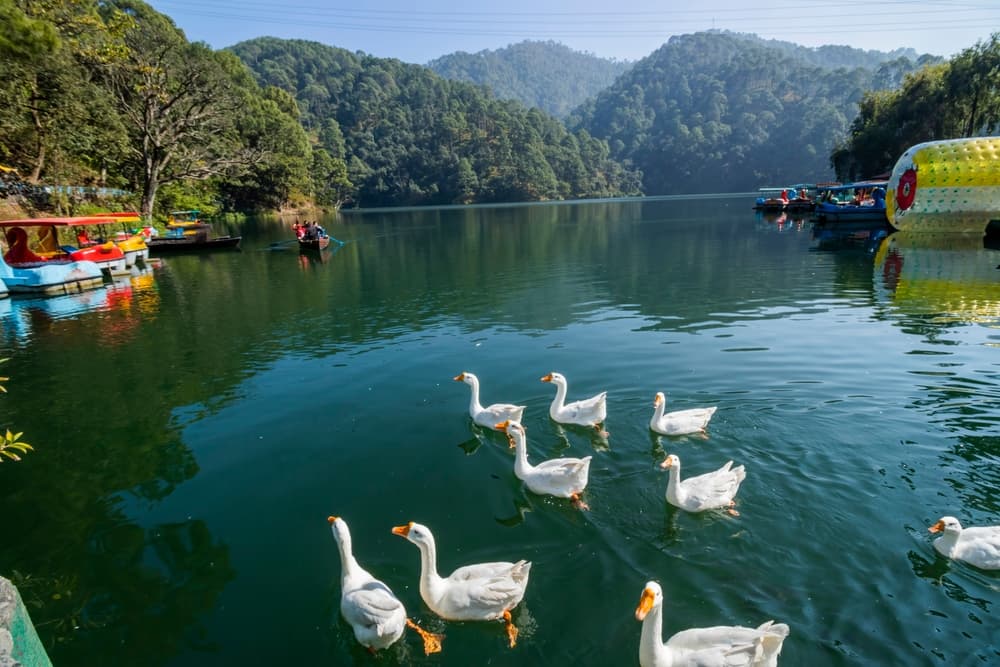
(547, 75)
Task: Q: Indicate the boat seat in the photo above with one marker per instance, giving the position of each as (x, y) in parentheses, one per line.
(19, 252)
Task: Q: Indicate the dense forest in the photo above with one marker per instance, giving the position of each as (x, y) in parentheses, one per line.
(111, 93)
(547, 75)
(947, 100)
(413, 137)
(716, 111)
(835, 56)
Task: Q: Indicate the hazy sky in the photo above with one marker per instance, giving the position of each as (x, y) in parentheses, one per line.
(417, 31)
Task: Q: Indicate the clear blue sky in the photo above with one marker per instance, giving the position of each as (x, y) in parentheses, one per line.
(417, 31)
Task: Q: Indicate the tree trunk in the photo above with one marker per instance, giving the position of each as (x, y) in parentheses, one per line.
(149, 195)
(36, 172)
(970, 128)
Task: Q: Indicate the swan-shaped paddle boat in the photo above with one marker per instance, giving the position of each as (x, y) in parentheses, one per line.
(978, 546)
(708, 491)
(491, 415)
(587, 412)
(722, 646)
(374, 612)
(679, 422)
(563, 478)
(480, 592)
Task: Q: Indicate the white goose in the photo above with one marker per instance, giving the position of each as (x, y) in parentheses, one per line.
(374, 612)
(721, 646)
(708, 491)
(563, 478)
(978, 546)
(491, 414)
(587, 412)
(679, 422)
(480, 592)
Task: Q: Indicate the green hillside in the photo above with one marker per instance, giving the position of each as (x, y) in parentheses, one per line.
(412, 137)
(712, 112)
(547, 75)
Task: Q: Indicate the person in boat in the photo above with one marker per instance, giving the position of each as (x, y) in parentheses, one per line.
(300, 230)
(878, 197)
(320, 232)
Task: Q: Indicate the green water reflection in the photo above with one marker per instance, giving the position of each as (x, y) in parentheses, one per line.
(196, 424)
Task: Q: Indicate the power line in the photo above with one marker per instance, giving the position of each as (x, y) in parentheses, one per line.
(838, 10)
(599, 29)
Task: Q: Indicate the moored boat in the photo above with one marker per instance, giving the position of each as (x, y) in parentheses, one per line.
(171, 243)
(46, 248)
(863, 201)
(54, 278)
(131, 242)
(187, 233)
(188, 222)
(795, 198)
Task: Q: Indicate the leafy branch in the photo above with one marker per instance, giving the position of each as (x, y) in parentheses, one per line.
(11, 443)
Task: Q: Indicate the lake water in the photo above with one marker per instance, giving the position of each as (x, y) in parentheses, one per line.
(195, 426)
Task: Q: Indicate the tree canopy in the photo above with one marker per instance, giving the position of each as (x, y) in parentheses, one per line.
(958, 98)
(714, 111)
(269, 122)
(411, 137)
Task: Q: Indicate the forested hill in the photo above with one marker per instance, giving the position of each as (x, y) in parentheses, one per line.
(410, 136)
(833, 56)
(547, 75)
(712, 112)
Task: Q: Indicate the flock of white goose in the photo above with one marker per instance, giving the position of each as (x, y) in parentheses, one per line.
(488, 591)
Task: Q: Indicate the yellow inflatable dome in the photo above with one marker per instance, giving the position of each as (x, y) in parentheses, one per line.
(946, 186)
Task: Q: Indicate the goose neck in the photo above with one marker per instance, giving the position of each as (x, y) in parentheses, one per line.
(521, 465)
(651, 645)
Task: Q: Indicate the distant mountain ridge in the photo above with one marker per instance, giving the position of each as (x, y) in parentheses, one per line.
(546, 75)
(830, 56)
(718, 111)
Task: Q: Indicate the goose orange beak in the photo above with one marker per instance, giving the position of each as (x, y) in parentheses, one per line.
(645, 604)
(331, 519)
(547, 378)
(402, 531)
(936, 528)
(460, 377)
(502, 426)
(666, 463)
(656, 400)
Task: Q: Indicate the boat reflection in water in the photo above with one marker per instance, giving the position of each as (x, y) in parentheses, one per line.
(781, 221)
(128, 300)
(866, 236)
(310, 258)
(947, 276)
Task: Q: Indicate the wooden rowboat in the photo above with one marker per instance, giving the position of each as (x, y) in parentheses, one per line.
(319, 243)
